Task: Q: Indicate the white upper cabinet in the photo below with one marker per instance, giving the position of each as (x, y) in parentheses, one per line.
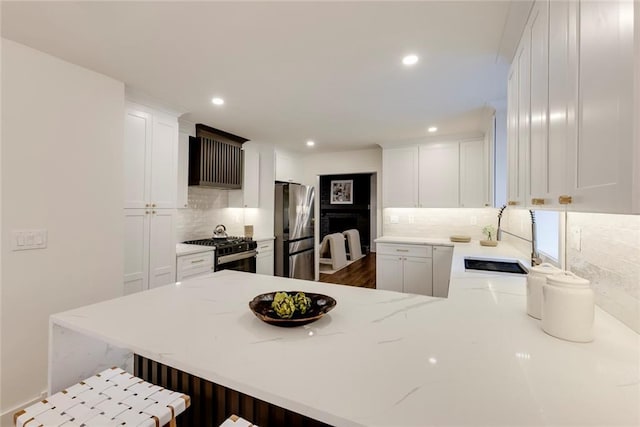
(137, 139)
(439, 171)
(474, 174)
(151, 158)
(436, 175)
(602, 156)
(287, 168)
(249, 195)
(400, 177)
(182, 193)
(539, 100)
(575, 70)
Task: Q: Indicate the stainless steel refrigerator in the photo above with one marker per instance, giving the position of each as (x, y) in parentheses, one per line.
(293, 226)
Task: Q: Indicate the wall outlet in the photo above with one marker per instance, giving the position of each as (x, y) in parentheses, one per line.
(473, 220)
(411, 219)
(394, 219)
(28, 239)
(575, 238)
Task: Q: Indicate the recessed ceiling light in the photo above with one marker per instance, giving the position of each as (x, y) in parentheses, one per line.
(218, 101)
(410, 59)
(432, 129)
(310, 143)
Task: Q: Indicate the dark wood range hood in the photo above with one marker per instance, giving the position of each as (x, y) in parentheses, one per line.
(215, 158)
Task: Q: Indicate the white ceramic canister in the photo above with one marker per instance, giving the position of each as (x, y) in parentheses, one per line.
(536, 279)
(568, 307)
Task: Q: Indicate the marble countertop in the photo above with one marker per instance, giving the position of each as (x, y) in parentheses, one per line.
(414, 240)
(382, 358)
(184, 249)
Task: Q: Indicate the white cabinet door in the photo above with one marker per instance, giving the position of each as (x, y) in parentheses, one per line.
(400, 177)
(474, 175)
(601, 158)
(164, 162)
(137, 140)
(162, 248)
(264, 259)
(524, 110)
(251, 179)
(136, 250)
(562, 97)
(417, 275)
(286, 168)
(539, 142)
(439, 175)
(389, 272)
(442, 257)
(512, 135)
(182, 193)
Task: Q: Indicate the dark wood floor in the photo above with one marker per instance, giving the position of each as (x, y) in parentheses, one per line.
(361, 273)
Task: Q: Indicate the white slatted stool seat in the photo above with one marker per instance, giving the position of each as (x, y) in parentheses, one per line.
(111, 398)
(353, 241)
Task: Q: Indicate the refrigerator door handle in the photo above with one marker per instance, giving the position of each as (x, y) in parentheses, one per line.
(301, 251)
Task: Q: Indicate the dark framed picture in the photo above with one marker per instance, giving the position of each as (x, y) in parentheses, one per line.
(342, 192)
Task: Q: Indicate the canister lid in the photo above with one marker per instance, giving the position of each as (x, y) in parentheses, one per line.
(567, 279)
(545, 269)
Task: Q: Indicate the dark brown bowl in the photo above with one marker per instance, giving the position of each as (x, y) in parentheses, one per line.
(320, 305)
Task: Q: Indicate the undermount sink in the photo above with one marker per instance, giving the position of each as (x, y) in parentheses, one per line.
(494, 265)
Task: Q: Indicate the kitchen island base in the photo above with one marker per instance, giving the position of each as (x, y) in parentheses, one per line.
(212, 404)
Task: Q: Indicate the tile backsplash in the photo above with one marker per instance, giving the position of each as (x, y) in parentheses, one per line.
(438, 223)
(605, 249)
(208, 207)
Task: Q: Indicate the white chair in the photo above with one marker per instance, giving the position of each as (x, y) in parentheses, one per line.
(333, 252)
(111, 398)
(353, 241)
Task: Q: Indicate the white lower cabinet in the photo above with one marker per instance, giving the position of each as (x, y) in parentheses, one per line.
(415, 269)
(442, 257)
(264, 259)
(404, 268)
(149, 250)
(193, 265)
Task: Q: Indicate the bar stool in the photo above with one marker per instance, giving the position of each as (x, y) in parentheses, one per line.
(111, 398)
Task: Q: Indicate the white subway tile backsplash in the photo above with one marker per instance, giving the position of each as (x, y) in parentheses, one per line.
(438, 223)
(207, 208)
(609, 257)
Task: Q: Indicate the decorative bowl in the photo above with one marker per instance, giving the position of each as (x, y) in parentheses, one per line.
(320, 305)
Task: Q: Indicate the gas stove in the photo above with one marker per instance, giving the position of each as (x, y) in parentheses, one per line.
(226, 245)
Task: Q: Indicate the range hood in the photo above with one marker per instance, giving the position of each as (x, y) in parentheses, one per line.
(215, 158)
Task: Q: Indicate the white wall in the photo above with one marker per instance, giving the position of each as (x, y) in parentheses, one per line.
(62, 170)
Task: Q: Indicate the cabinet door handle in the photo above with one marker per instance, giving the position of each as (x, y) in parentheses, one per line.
(153, 212)
(402, 250)
(565, 200)
(147, 205)
(146, 212)
(512, 203)
(264, 247)
(197, 261)
(153, 205)
(538, 202)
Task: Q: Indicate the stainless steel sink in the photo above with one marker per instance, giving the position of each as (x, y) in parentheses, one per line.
(503, 266)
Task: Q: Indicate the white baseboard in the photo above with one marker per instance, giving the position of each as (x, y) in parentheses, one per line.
(6, 418)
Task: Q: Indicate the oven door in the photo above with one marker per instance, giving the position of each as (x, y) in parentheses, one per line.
(243, 261)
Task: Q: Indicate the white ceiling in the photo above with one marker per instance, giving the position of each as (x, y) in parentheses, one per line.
(292, 71)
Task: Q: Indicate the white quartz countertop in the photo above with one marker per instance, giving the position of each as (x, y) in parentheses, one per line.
(382, 358)
(414, 240)
(184, 249)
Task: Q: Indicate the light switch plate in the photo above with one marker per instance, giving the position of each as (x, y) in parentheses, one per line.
(23, 240)
(576, 238)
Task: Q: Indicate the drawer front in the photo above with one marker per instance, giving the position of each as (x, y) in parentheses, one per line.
(203, 260)
(265, 246)
(423, 251)
(192, 272)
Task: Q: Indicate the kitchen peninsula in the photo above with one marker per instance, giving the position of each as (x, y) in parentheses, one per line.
(379, 358)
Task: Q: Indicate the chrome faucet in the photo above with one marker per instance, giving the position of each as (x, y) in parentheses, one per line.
(535, 256)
